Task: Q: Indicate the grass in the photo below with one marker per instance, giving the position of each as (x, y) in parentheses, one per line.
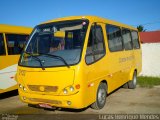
(148, 82)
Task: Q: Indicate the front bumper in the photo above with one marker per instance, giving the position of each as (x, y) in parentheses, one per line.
(74, 101)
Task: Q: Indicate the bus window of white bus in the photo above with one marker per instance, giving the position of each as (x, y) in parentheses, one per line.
(2, 45)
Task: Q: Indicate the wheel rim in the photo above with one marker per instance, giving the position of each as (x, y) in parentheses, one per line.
(101, 96)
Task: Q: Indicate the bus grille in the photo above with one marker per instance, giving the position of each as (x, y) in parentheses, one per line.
(45, 101)
(40, 88)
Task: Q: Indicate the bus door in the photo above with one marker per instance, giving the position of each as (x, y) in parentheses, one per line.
(95, 54)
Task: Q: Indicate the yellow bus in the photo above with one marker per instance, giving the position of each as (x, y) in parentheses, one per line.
(74, 62)
(12, 41)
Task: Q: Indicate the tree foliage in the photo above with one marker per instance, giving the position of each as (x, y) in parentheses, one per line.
(140, 28)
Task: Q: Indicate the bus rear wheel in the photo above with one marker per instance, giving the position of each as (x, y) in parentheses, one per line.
(100, 97)
(133, 82)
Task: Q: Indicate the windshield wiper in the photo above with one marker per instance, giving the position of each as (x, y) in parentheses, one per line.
(36, 58)
(58, 57)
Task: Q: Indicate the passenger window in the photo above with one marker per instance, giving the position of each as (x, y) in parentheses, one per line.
(114, 38)
(15, 43)
(127, 39)
(135, 40)
(95, 47)
(2, 46)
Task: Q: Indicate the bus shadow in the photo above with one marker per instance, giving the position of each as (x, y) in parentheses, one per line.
(67, 110)
(73, 110)
(8, 94)
(114, 91)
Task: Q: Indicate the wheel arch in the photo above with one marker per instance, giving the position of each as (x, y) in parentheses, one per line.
(97, 83)
(94, 105)
(131, 73)
(105, 82)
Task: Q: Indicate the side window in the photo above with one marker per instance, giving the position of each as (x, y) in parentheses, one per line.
(15, 43)
(114, 38)
(95, 47)
(135, 40)
(2, 46)
(127, 39)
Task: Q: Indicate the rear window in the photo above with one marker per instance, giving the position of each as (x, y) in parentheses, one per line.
(135, 40)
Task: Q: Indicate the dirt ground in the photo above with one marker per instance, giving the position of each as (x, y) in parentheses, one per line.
(121, 101)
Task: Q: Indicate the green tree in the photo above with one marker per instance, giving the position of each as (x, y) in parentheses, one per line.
(141, 28)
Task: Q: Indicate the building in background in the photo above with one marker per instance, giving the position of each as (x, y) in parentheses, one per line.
(150, 53)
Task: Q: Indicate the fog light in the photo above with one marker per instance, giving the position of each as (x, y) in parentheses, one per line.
(20, 85)
(69, 102)
(24, 89)
(71, 88)
(24, 98)
(65, 91)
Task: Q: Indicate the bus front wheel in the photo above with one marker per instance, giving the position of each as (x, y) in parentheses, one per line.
(100, 97)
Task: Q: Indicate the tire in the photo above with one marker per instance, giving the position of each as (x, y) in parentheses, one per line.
(100, 97)
(125, 85)
(133, 82)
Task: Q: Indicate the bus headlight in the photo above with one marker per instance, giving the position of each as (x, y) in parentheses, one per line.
(65, 91)
(24, 89)
(20, 86)
(71, 88)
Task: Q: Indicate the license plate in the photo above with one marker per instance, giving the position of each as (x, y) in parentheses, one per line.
(45, 105)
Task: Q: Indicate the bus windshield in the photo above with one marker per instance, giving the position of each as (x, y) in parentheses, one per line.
(55, 44)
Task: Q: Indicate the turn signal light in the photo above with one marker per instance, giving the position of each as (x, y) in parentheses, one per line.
(77, 86)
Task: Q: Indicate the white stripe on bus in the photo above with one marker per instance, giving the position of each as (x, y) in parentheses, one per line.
(6, 77)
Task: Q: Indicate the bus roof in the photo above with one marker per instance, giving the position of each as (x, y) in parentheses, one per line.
(91, 19)
(15, 29)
